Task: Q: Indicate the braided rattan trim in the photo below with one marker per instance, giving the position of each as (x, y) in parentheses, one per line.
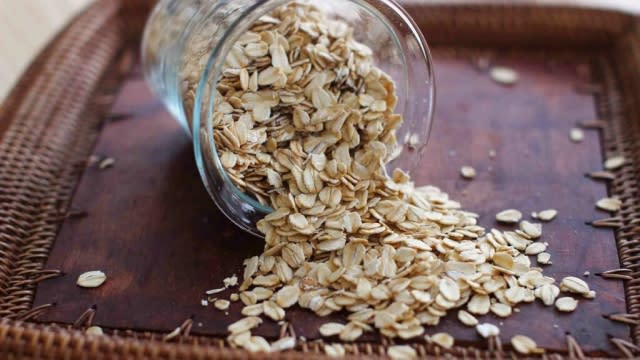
(506, 23)
(622, 137)
(31, 340)
(50, 131)
(49, 134)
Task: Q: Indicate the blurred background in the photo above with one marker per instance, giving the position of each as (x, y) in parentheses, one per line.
(27, 25)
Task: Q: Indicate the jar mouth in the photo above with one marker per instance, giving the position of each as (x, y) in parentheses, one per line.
(386, 12)
(210, 76)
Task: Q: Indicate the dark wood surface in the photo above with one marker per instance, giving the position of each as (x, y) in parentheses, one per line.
(153, 229)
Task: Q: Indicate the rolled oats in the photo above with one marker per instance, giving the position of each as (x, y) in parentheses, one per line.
(525, 345)
(91, 279)
(94, 330)
(442, 339)
(285, 343)
(487, 330)
(221, 304)
(544, 258)
(468, 172)
(547, 215)
(576, 285)
(566, 304)
(305, 122)
(615, 162)
(532, 230)
(466, 318)
(509, 216)
(609, 204)
(504, 75)
(331, 329)
(576, 135)
(335, 350)
(401, 352)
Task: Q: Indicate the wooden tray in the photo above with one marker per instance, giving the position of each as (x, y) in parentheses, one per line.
(150, 225)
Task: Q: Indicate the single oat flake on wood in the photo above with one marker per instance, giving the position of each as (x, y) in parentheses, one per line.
(91, 279)
(509, 216)
(547, 215)
(609, 204)
(504, 75)
(614, 162)
(576, 135)
(468, 172)
(525, 345)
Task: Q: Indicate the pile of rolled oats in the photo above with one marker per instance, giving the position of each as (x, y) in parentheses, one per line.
(305, 122)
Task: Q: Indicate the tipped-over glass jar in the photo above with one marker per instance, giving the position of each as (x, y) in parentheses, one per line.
(189, 45)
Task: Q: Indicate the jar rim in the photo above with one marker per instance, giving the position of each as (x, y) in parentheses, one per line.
(216, 62)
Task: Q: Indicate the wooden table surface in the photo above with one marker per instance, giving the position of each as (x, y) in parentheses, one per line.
(27, 25)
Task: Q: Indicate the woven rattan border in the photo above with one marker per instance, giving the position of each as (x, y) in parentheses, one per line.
(45, 139)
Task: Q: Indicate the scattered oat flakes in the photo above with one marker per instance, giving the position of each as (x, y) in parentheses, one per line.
(91, 279)
(172, 334)
(221, 304)
(501, 310)
(566, 304)
(533, 230)
(535, 249)
(609, 204)
(230, 281)
(283, 344)
(578, 286)
(468, 172)
(525, 345)
(467, 318)
(479, 304)
(401, 352)
(504, 75)
(94, 330)
(244, 324)
(335, 350)
(442, 339)
(215, 291)
(547, 293)
(487, 330)
(305, 122)
(509, 216)
(257, 344)
(331, 329)
(106, 163)
(544, 258)
(576, 135)
(351, 332)
(614, 163)
(547, 215)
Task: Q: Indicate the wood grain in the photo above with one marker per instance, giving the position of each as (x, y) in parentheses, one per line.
(153, 229)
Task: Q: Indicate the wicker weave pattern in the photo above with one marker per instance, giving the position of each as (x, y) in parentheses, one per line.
(43, 147)
(622, 137)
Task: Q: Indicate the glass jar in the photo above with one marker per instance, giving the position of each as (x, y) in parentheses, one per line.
(185, 45)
